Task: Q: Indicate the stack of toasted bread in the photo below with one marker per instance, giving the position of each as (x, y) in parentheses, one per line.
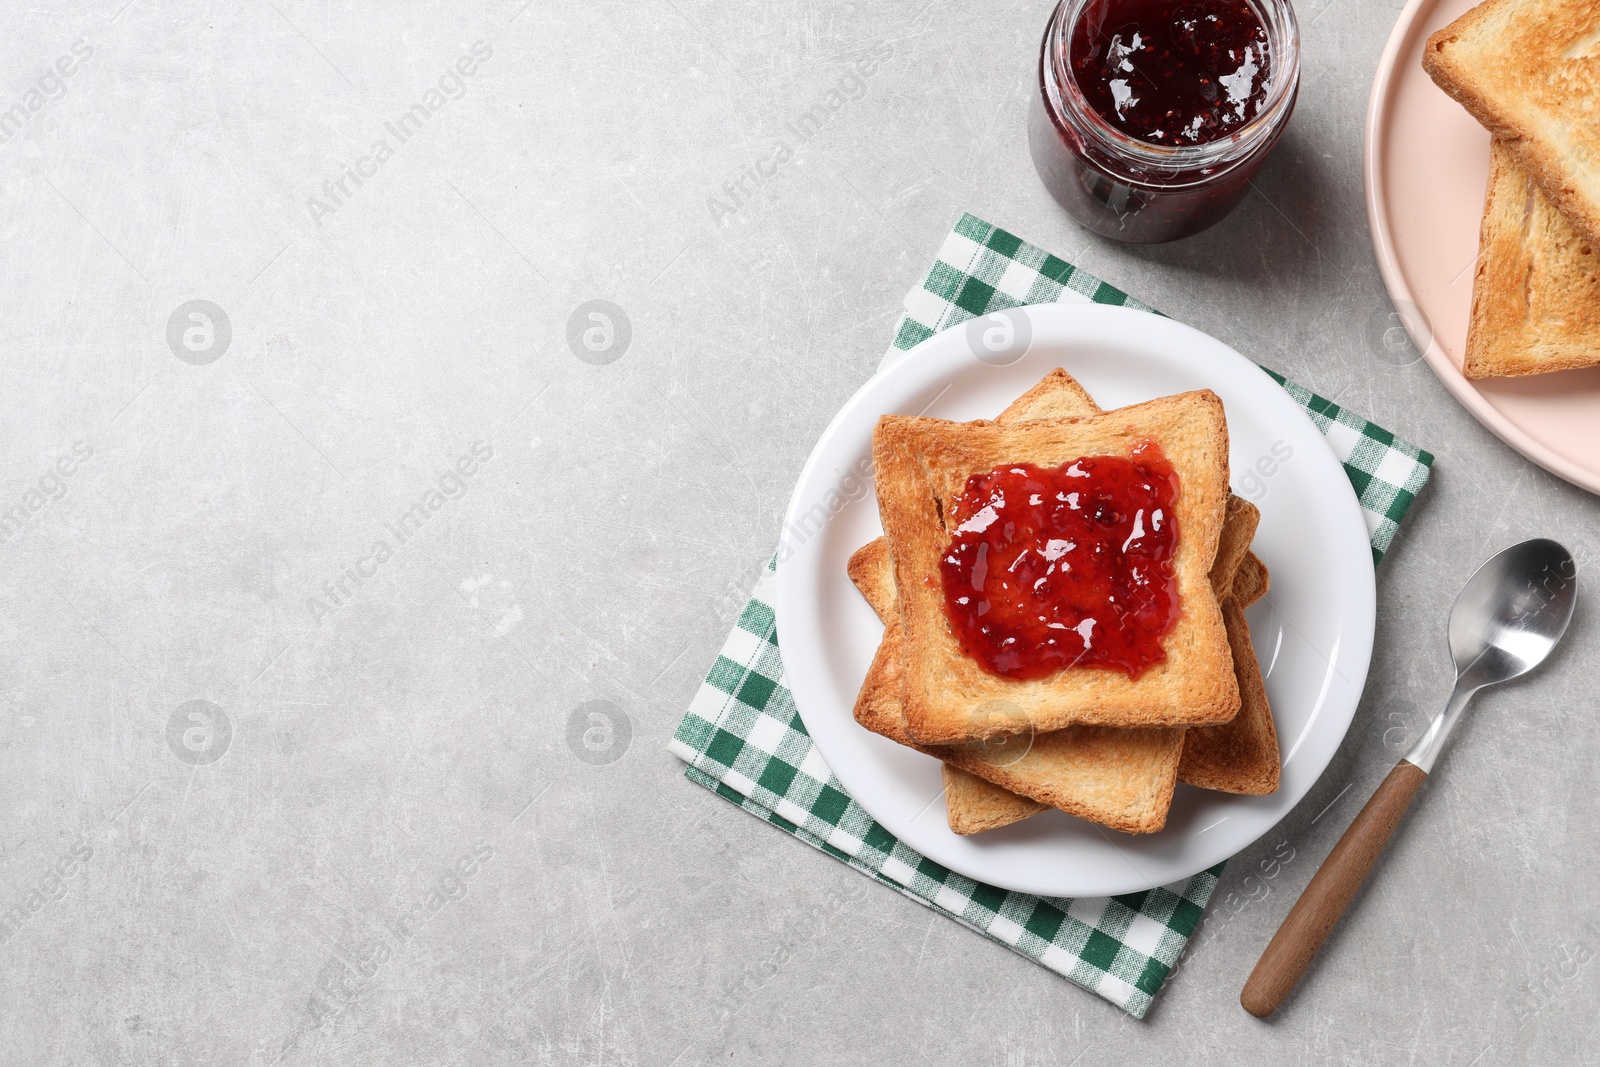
(1099, 744)
(1529, 71)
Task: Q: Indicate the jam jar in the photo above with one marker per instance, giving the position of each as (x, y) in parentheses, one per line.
(1152, 116)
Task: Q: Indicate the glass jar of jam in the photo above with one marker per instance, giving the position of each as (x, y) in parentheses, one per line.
(1152, 116)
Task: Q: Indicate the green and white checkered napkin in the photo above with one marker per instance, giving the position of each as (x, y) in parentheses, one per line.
(743, 738)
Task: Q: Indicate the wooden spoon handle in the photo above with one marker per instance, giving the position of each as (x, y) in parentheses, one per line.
(1330, 891)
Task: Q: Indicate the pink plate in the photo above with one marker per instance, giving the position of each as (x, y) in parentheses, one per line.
(1427, 162)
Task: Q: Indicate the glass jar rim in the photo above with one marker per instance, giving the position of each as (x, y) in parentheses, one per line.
(1283, 42)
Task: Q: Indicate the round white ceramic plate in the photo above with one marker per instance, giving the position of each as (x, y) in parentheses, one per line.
(1313, 633)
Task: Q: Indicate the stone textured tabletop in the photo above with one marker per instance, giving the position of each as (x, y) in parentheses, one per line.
(324, 529)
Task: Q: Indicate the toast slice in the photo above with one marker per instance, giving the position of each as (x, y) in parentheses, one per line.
(1529, 71)
(923, 464)
(1233, 544)
(1058, 395)
(1239, 756)
(975, 805)
(1536, 295)
(1118, 778)
(1251, 581)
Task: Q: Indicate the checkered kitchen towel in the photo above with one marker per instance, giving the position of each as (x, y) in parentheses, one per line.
(743, 738)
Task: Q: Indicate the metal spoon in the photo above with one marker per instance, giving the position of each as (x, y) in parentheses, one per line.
(1505, 622)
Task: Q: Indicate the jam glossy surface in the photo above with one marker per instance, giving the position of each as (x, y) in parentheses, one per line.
(1174, 74)
(1049, 568)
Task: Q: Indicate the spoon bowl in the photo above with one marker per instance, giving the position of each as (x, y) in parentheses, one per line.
(1512, 611)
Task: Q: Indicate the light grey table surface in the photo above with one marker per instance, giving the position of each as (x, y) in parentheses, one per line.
(281, 889)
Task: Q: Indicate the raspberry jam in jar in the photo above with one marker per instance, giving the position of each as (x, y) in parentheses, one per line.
(1069, 566)
(1152, 116)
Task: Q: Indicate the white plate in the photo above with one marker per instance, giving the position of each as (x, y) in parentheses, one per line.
(1313, 634)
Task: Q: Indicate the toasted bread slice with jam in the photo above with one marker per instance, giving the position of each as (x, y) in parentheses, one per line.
(974, 804)
(923, 464)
